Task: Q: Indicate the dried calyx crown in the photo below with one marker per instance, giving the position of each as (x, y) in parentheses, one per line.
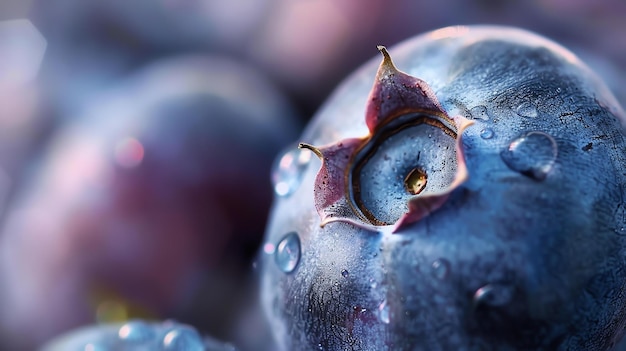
(396, 100)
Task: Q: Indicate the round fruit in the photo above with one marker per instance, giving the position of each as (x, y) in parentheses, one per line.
(136, 335)
(146, 204)
(475, 202)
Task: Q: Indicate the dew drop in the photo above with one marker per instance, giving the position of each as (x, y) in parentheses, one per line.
(526, 109)
(287, 253)
(486, 133)
(383, 312)
(494, 295)
(288, 171)
(182, 339)
(479, 112)
(441, 268)
(345, 273)
(533, 155)
(136, 332)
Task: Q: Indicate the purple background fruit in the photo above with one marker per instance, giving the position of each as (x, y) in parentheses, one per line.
(133, 208)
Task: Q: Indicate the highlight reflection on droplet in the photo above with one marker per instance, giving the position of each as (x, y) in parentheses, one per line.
(533, 154)
(527, 109)
(383, 312)
(494, 295)
(441, 268)
(479, 112)
(136, 332)
(486, 133)
(287, 173)
(182, 339)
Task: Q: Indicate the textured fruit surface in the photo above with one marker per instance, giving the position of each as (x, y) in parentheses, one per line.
(526, 254)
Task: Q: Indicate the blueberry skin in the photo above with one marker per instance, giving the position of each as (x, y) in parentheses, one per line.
(511, 261)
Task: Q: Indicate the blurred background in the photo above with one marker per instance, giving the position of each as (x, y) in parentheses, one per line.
(137, 140)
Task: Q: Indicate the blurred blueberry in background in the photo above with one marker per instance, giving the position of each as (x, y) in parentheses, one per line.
(137, 335)
(22, 47)
(154, 196)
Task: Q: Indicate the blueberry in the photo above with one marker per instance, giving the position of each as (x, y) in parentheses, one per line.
(478, 204)
(147, 198)
(136, 335)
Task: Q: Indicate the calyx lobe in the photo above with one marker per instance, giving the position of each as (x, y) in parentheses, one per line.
(393, 94)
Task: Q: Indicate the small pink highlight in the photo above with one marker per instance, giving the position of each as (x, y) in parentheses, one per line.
(129, 153)
(269, 248)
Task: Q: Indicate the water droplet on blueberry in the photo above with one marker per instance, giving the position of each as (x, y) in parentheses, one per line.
(494, 295)
(289, 169)
(441, 268)
(486, 133)
(287, 253)
(526, 109)
(345, 273)
(182, 339)
(479, 112)
(533, 155)
(383, 312)
(135, 332)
